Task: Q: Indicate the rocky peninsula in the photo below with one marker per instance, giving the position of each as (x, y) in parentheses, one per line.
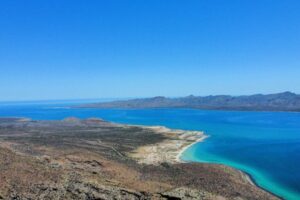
(95, 159)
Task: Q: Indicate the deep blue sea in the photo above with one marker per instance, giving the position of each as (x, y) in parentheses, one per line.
(264, 144)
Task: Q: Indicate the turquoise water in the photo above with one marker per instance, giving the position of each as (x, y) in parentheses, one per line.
(264, 144)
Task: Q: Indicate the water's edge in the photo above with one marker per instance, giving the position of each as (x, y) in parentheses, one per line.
(234, 131)
(250, 177)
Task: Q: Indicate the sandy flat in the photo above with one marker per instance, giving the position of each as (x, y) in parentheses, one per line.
(170, 149)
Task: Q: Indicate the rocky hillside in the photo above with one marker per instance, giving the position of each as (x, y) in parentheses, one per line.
(90, 159)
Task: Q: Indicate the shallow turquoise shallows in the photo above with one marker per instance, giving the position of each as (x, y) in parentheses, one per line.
(266, 145)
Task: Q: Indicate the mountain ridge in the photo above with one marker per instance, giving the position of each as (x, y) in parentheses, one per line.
(285, 101)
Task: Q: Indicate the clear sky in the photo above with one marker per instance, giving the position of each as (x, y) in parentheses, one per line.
(100, 49)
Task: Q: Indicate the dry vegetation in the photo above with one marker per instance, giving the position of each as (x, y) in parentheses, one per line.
(89, 159)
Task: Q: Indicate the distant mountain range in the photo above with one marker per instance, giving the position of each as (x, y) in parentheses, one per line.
(286, 101)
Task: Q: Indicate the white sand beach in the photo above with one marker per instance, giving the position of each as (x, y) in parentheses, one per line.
(170, 149)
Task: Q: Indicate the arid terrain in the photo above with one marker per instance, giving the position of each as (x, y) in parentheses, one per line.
(95, 159)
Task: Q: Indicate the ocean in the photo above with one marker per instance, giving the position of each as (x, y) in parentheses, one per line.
(266, 145)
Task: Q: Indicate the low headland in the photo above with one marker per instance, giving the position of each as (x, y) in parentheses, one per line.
(96, 159)
(170, 149)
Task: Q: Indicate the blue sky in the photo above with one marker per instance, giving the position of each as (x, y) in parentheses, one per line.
(100, 49)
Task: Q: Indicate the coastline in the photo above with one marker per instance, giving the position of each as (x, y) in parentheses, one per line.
(252, 181)
(245, 175)
(103, 161)
(176, 141)
(178, 157)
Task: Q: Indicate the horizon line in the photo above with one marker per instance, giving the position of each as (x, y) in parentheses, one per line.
(128, 98)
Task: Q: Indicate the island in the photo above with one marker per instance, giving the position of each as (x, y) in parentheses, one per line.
(285, 101)
(95, 159)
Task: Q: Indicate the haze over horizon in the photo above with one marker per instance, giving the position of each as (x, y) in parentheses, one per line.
(117, 49)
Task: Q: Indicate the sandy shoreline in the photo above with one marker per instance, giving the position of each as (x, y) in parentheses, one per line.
(170, 149)
(178, 159)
